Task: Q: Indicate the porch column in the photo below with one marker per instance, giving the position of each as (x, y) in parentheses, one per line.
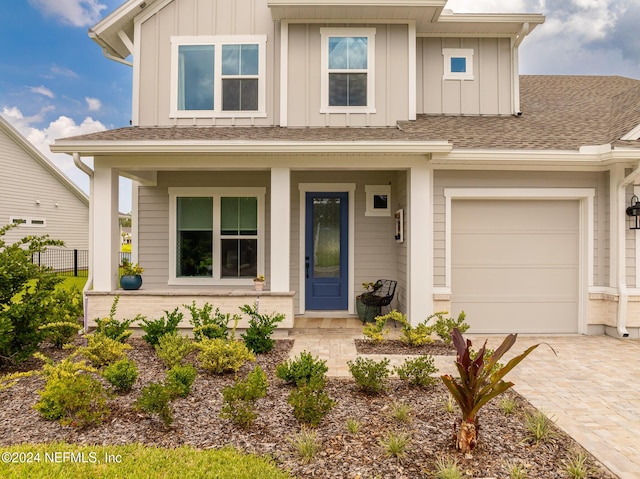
(420, 243)
(105, 229)
(280, 215)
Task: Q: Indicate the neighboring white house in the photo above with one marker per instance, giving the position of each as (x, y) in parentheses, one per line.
(37, 196)
(324, 144)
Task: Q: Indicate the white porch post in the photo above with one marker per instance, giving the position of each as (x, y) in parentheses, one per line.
(420, 244)
(105, 229)
(280, 229)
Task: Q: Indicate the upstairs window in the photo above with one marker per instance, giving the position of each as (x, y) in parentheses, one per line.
(218, 76)
(348, 70)
(458, 63)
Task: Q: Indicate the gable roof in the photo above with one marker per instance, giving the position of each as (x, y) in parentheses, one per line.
(32, 151)
(558, 113)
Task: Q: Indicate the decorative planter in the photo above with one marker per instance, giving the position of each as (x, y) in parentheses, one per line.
(366, 315)
(131, 282)
(258, 285)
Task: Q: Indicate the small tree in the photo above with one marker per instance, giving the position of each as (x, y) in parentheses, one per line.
(478, 383)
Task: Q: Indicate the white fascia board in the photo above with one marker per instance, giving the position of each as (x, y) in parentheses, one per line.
(633, 135)
(356, 3)
(533, 18)
(592, 157)
(115, 147)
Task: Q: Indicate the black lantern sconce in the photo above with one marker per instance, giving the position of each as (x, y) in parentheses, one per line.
(633, 212)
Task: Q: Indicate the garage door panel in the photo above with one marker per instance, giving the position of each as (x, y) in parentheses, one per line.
(514, 265)
(521, 317)
(526, 248)
(518, 280)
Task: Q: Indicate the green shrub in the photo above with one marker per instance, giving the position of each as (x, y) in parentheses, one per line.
(61, 323)
(101, 350)
(121, 374)
(155, 399)
(26, 296)
(239, 399)
(306, 444)
(302, 369)
(114, 329)
(418, 335)
(156, 328)
(261, 326)
(218, 356)
(417, 371)
(207, 324)
(59, 333)
(310, 402)
(180, 379)
(375, 331)
(443, 327)
(173, 348)
(370, 376)
(395, 443)
(70, 394)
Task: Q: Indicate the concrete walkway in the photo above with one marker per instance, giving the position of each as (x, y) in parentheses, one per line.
(590, 386)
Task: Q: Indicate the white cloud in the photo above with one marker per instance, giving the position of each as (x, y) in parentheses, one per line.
(93, 103)
(77, 13)
(57, 70)
(42, 90)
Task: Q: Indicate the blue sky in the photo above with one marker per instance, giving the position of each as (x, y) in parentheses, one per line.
(55, 82)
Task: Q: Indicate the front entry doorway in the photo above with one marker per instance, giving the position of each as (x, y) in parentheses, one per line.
(327, 251)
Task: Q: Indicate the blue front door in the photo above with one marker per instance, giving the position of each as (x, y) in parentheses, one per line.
(326, 253)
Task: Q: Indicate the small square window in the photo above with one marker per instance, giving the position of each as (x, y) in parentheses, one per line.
(378, 200)
(458, 63)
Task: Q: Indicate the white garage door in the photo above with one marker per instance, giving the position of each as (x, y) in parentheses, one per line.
(514, 265)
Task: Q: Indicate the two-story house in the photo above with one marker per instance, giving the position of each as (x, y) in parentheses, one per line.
(325, 143)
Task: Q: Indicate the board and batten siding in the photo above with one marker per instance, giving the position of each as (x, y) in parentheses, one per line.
(390, 76)
(489, 93)
(530, 179)
(375, 255)
(152, 66)
(23, 182)
(153, 218)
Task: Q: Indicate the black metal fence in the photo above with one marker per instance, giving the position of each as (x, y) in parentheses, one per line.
(67, 262)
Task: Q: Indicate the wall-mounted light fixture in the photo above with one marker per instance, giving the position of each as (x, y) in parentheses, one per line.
(633, 212)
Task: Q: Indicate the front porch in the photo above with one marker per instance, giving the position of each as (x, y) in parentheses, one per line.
(280, 240)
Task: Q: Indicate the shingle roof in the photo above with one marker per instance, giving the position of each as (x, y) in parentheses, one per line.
(558, 113)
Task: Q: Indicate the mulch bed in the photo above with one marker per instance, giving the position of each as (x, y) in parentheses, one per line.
(342, 454)
(395, 346)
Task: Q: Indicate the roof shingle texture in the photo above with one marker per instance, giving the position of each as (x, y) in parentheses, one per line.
(558, 113)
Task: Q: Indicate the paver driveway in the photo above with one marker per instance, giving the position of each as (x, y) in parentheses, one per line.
(590, 385)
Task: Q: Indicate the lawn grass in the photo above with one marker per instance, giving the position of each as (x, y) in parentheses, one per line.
(70, 282)
(132, 461)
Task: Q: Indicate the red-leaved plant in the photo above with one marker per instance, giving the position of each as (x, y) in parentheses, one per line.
(476, 385)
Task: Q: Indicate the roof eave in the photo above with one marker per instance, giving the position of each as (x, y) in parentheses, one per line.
(93, 148)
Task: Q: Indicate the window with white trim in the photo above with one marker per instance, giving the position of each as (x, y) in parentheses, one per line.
(458, 63)
(218, 76)
(347, 83)
(24, 221)
(217, 235)
(378, 200)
